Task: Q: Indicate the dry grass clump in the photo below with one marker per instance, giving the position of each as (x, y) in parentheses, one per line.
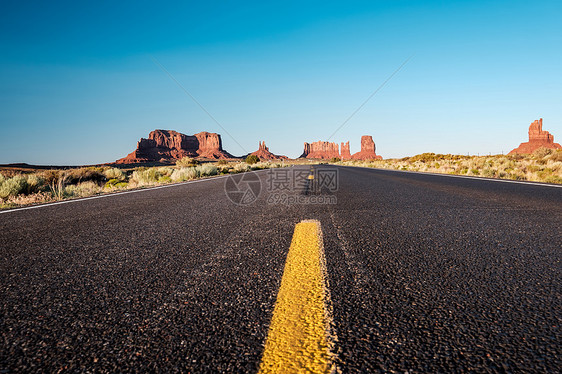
(191, 173)
(241, 167)
(187, 162)
(75, 176)
(82, 189)
(264, 165)
(114, 173)
(21, 200)
(184, 174)
(150, 176)
(544, 165)
(207, 170)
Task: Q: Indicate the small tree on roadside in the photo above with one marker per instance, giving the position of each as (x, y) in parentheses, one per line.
(252, 159)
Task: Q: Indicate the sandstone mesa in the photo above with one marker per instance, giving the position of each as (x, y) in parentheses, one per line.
(537, 138)
(169, 146)
(327, 150)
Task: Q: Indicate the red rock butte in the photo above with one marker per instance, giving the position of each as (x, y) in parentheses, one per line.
(321, 150)
(326, 150)
(367, 150)
(264, 154)
(537, 138)
(168, 146)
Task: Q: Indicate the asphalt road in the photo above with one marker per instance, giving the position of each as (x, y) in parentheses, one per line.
(426, 274)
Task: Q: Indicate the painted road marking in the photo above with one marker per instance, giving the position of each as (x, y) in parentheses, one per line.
(299, 337)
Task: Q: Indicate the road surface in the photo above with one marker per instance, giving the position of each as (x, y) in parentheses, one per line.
(425, 273)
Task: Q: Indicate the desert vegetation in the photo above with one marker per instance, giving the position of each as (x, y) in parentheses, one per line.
(252, 159)
(25, 187)
(543, 165)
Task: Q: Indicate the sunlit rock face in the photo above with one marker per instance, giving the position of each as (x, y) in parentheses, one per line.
(537, 138)
(169, 146)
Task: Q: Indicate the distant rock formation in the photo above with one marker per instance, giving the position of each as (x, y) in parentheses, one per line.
(169, 146)
(210, 146)
(537, 139)
(321, 150)
(345, 153)
(264, 154)
(367, 150)
(325, 150)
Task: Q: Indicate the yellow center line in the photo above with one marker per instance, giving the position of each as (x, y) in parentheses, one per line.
(298, 338)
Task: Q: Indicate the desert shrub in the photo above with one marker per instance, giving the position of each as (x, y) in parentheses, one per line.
(165, 170)
(252, 159)
(223, 169)
(145, 176)
(82, 189)
(51, 175)
(187, 162)
(111, 183)
(13, 186)
(184, 174)
(541, 152)
(544, 174)
(2, 178)
(516, 157)
(333, 160)
(556, 156)
(241, 167)
(489, 173)
(115, 184)
(260, 165)
(207, 169)
(114, 173)
(426, 157)
(74, 176)
(556, 166)
(35, 183)
(552, 179)
(56, 181)
(533, 168)
(222, 162)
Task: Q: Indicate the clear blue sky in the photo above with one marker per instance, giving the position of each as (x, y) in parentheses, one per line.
(78, 84)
